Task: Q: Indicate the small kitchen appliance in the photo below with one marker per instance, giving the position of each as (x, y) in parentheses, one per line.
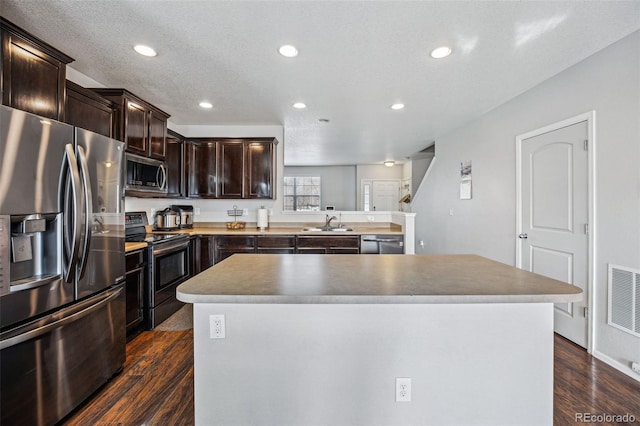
(186, 215)
(166, 220)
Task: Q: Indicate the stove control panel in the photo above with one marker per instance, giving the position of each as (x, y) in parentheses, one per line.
(135, 219)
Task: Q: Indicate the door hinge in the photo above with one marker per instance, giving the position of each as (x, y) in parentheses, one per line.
(586, 229)
(586, 144)
(585, 312)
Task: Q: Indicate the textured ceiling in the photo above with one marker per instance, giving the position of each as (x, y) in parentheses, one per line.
(356, 59)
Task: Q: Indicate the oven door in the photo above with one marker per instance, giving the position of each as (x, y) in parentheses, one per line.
(171, 265)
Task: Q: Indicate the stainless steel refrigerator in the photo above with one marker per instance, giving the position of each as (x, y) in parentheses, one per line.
(62, 306)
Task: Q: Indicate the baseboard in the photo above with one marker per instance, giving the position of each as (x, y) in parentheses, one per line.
(617, 365)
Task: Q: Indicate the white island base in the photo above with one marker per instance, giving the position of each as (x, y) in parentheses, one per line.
(476, 341)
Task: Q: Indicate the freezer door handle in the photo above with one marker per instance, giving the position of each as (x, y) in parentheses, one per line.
(88, 205)
(70, 179)
(57, 319)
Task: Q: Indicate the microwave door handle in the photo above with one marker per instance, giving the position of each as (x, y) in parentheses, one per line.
(88, 206)
(70, 179)
(161, 177)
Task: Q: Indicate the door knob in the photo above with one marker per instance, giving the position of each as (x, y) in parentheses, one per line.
(523, 236)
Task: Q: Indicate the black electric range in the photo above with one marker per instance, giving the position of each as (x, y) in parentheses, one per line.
(168, 263)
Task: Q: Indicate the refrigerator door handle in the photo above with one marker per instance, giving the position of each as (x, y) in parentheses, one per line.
(58, 319)
(71, 242)
(88, 216)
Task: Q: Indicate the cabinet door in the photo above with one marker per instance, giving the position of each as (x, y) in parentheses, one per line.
(202, 179)
(86, 109)
(206, 252)
(134, 287)
(32, 79)
(157, 136)
(259, 170)
(175, 165)
(136, 128)
(232, 169)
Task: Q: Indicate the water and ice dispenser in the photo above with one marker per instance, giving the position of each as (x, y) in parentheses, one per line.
(30, 251)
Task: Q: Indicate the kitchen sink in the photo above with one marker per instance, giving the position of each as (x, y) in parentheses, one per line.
(325, 229)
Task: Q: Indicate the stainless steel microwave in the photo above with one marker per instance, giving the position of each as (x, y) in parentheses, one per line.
(145, 176)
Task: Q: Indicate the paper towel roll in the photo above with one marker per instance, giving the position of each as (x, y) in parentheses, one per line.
(263, 218)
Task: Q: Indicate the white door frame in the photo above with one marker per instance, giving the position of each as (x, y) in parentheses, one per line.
(590, 118)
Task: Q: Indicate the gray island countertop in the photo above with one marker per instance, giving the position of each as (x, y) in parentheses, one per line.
(351, 279)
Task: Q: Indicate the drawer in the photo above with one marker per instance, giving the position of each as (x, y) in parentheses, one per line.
(284, 241)
(134, 260)
(235, 242)
(322, 241)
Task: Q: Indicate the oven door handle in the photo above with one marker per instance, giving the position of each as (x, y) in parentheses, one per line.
(160, 249)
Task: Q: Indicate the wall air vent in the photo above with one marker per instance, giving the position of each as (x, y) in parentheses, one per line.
(624, 299)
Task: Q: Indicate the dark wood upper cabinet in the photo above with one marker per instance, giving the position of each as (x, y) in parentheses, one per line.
(33, 73)
(260, 175)
(86, 109)
(232, 162)
(157, 135)
(175, 159)
(139, 124)
(201, 168)
(245, 167)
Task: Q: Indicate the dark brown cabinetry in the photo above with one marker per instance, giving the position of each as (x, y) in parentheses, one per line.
(33, 73)
(86, 109)
(328, 244)
(231, 168)
(260, 173)
(202, 252)
(227, 245)
(279, 244)
(135, 284)
(201, 169)
(139, 124)
(175, 160)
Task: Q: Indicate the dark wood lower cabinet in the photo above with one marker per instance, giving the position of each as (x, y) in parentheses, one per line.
(276, 244)
(135, 283)
(201, 253)
(312, 244)
(228, 245)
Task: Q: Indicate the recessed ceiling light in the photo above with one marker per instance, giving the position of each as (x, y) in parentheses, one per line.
(299, 105)
(288, 51)
(397, 106)
(206, 105)
(144, 50)
(389, 163)
(441, 52)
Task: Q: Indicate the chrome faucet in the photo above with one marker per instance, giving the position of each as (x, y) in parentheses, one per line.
(328, 221)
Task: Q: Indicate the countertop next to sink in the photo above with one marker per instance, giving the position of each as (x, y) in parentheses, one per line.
(289, 230)
(354, 279)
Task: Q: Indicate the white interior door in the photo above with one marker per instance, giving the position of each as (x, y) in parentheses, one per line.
(554, 216)
(385, 195)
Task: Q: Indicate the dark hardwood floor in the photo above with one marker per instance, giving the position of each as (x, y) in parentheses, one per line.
(156, 386)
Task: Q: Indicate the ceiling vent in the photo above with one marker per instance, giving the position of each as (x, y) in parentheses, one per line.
(624, 299)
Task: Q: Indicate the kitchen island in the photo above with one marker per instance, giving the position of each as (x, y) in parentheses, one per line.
(321, 339)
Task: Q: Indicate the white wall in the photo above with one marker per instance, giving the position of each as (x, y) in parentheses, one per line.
(338, 187)
(607, 82)
(336, 364)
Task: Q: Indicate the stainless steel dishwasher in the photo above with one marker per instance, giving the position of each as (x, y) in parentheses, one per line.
(381, 244)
